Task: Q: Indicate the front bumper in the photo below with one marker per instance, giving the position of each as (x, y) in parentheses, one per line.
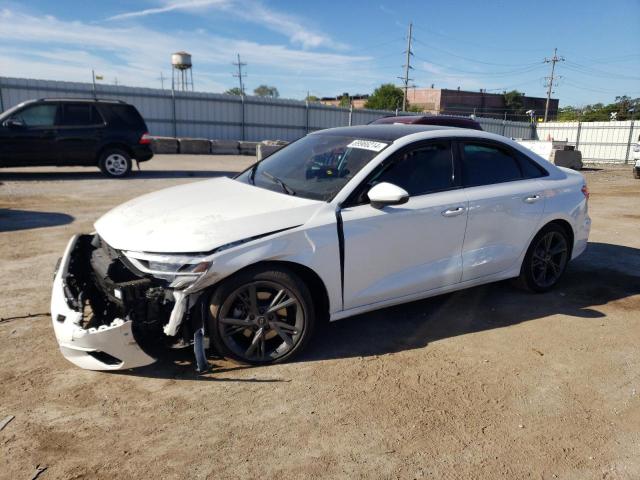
(106, 347)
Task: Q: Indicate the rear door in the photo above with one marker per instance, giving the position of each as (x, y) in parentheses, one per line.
(33, 142)
(406, 249)
(79, 134)
(506, 202)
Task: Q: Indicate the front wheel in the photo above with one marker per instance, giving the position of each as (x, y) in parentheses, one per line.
(546, 260)
(115, 163)
(261, 316)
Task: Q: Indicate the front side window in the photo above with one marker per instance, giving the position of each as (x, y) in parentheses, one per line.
(316, 166)
(426, 169)
(37, 115)
(486, 165)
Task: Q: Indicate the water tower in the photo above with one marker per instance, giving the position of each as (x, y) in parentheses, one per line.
(181, 72)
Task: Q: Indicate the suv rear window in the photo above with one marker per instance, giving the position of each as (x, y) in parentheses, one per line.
(79, 114)
(123, 116)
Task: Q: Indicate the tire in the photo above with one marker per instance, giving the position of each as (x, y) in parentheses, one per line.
(249, 332)
(636, 173)
(546, 260)
(115, 163)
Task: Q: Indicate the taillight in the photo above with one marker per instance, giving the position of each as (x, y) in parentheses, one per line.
(585, 191)
(145, 139)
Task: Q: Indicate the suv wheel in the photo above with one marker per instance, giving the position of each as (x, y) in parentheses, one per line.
(261, 316)
(115, 163)
(546, 260)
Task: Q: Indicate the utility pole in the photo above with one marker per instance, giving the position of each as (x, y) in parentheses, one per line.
(553, 60)
(407, 66)
(239, 75)
(161, 81)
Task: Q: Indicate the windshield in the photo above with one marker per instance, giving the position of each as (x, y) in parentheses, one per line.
(316, 166)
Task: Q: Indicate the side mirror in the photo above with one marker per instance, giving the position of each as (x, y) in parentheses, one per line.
(384, 194)
(14, 123)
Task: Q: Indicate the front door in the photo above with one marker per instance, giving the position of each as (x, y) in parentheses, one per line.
(406, 249)
(28, 137)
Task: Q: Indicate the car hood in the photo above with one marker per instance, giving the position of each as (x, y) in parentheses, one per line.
(200, 217)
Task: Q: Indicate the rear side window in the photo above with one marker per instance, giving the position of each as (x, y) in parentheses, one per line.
(530, 169)
(38, 115)
(486, 165)
(123, 116)
(80, 115)
(426, 169)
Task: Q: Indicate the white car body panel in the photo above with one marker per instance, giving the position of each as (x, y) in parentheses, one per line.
(391, 255)
(188, 218)
(415, 247)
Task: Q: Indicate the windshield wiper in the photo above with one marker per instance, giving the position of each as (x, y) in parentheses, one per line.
(288, 190)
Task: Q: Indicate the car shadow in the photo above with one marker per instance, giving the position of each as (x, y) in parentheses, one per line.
(12, 220)
(604, 273)
(92, 175)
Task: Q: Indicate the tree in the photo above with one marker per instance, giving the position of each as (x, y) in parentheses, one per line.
(234, 91)
(415, 108)
(266, 91)
(625, 108)
(345, 101)
(312, 98)
(386, 97)
(513, 102)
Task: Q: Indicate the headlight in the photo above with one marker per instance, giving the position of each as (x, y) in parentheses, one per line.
(178, 269)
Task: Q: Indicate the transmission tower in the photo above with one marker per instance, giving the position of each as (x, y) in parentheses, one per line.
(407, 66)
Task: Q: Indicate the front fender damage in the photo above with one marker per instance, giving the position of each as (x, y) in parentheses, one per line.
(107, 315)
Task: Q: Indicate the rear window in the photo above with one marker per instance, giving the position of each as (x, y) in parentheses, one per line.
(80, 115)
(123, 116)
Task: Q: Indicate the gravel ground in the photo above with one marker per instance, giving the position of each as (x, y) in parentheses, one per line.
(485, 383)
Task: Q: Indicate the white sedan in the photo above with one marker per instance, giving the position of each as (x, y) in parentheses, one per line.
(340, 222)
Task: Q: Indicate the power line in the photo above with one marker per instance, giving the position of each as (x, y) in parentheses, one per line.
(553, 60)
(239, 75)
(407, 66)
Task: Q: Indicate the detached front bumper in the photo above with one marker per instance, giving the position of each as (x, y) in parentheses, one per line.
(107, 347)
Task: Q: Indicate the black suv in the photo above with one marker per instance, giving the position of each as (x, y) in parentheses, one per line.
(57, 132)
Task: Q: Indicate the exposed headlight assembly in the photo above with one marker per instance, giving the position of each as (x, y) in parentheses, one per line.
(178, 269)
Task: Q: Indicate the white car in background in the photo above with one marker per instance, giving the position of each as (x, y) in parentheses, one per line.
(338, 223)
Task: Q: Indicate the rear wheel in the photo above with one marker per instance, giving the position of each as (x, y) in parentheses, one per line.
(115, 163)
(636, 173)
(546, 260)
(261, 316)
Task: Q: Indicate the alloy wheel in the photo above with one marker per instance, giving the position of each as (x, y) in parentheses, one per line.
(549, 259)
(261, 321)
(116, 164)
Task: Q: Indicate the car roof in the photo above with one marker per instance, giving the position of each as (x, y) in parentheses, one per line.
(388, 132)
(77, 100)
(443, 120)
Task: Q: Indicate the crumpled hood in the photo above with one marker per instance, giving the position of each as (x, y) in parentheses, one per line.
(201, 216)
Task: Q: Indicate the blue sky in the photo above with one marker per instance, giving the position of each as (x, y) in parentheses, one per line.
(331, 47)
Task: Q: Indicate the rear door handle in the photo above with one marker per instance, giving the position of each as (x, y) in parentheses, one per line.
(453, 212)
(532, 199)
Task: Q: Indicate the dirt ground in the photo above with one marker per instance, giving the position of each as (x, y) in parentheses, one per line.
(485, 383)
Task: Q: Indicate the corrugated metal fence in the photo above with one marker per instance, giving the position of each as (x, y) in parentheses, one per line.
(219, 116)
(600, 142)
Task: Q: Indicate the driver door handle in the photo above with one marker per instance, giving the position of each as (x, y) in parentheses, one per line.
(453, 212)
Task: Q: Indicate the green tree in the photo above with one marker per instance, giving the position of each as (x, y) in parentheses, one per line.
(415, 108)
(514, 102)
(266, 91)
(234, 91)
(386, 97)
(312, 98)
(345, 101)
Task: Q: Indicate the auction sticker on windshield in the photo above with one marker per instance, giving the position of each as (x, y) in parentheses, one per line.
(367, 145)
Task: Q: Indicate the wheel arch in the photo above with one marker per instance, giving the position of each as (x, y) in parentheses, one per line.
(314, 282)
(113, 145)
(566, 226)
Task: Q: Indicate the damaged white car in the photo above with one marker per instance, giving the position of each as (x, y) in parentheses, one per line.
(340, 222)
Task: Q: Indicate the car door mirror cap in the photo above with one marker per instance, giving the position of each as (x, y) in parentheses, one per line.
(384, 194)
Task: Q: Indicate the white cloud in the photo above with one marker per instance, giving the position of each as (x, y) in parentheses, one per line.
(50, 48)
(296, 30)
